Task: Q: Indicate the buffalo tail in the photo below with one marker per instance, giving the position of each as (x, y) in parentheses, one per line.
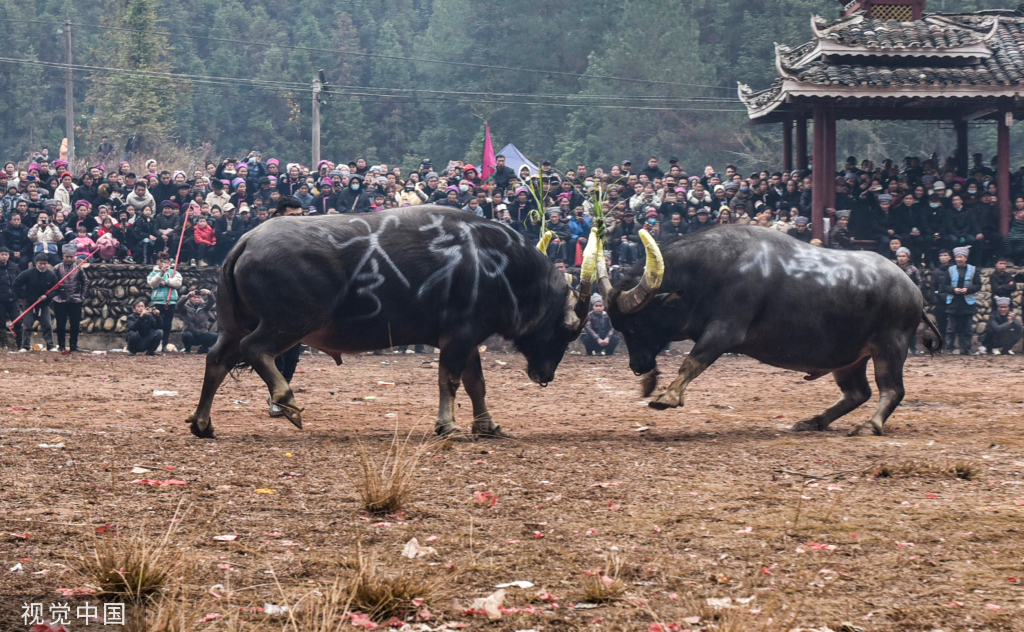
(932, 343)
(229, 305)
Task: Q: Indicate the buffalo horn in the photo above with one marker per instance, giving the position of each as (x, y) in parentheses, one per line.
(635, 299)
(545, 239)
(587, 270)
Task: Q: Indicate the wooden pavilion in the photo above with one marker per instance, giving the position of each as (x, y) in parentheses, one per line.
(889, 60)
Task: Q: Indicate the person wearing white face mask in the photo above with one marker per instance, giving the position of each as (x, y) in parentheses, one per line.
(936, 226)
(352, 198)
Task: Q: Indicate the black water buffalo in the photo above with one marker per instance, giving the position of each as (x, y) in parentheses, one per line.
(423, 275)
(759, 292)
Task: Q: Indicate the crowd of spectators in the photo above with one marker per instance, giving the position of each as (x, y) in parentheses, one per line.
(917, 213)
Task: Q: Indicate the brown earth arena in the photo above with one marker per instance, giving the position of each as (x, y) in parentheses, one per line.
(716, 500)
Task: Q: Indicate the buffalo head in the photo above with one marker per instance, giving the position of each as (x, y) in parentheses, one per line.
(636, 310)
(543, 344)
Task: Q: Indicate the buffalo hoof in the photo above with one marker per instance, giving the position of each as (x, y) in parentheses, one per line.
(876, 430)
(808, 425)
(493, 431)
(450, 431)
(202, 433)
(664, 402)
(293, 413)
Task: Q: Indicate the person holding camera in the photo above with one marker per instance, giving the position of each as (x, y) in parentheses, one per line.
(143, 329)
(45, 238)
(165, 283)
(196, 311)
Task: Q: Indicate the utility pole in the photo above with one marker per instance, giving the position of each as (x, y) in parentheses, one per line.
(69, 95)
(316, 123)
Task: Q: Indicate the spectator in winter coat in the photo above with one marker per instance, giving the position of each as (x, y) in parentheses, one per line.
(229, 228)
(168, 226)
(165, 283)
(65, 190)
(144, 333)
(502, 173)
(625, 241)
(579, 232)
(304, 196)
(839, 237)
(30, 286)
(672, 230)
(142, 236)
(46, 238)
(196, 311)
(1003, 330)
(800, 230)
(559, 246)
(9, 309)
(218, 197)
(84, 244)
(961, 285)
(204, 238)
(1002, 282)
(15, 239)
(69, 297)
(599, 335)
(108, 243)
(352, 199)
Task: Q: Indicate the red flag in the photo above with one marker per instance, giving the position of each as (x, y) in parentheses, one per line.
(487, 169)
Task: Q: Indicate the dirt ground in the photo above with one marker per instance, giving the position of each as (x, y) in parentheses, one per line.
(715, 500)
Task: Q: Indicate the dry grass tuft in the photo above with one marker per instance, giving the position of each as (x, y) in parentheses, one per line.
(604, 586)
(965, 470)
(388, 477)
(130, 568)
(320, 610)
(383, 594)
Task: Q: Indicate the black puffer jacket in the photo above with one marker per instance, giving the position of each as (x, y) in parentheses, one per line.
(31, 284)
(8, 273)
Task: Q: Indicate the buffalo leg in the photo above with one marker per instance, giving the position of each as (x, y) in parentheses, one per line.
(259, 349)
(717, 339)
(455, 355)
(889, 379)
(219, 361)
(853, 382)
(473, 380)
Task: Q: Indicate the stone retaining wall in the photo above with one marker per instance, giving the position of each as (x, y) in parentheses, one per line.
(113, 289)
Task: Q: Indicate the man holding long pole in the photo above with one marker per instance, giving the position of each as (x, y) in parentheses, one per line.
(165, 283)
(32, 286)
(69, 298)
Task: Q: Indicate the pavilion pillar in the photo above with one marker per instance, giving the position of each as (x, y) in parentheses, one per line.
(830, 157)
(801, 142)
(819, 174)
(1003, 168)
(787, 145)
(961, 148)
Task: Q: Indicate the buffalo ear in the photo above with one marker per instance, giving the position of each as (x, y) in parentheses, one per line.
(666, 299)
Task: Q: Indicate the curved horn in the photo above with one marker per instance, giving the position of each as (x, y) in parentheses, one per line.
(587, 271)
(634, 300)
(545, 239)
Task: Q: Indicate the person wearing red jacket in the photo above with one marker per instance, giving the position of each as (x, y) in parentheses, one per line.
(204, 238)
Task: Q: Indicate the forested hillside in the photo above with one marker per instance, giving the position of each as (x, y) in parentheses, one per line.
(598, 81)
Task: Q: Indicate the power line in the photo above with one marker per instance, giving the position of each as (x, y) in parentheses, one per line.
(410, 59)
(297, 88)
